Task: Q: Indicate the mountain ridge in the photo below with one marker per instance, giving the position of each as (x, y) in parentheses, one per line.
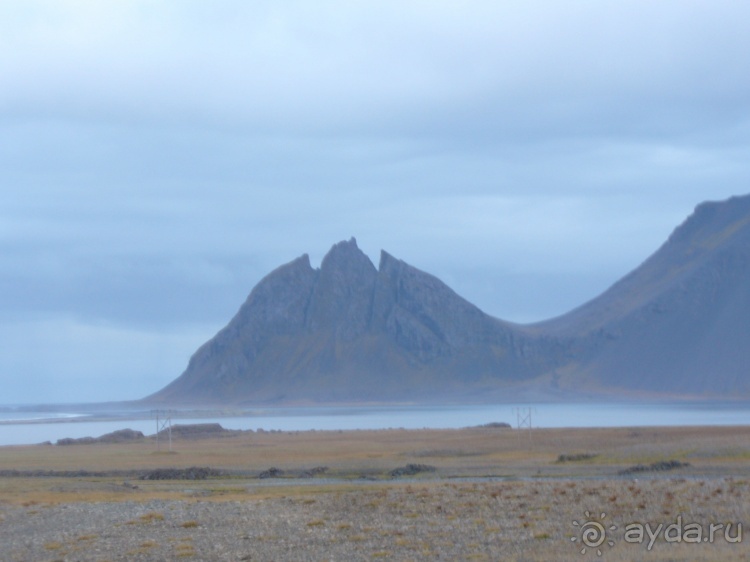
(350, 331)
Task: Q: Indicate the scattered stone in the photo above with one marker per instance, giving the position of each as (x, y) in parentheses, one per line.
(352, 523)
(411, 469)
(659, 466)
(272, 472)
(192, 473)
(312, 472)
(576, 457)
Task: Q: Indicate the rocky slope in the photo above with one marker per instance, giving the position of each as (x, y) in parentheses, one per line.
(679, 323)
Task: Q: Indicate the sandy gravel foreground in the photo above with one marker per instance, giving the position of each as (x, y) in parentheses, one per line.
(523, 520)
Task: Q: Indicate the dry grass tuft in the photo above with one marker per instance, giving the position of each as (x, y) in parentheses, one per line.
(147, 518)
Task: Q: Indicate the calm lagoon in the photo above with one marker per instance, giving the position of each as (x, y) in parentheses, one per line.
(27, 426)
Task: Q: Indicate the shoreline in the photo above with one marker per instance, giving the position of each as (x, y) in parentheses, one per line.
(94, 424)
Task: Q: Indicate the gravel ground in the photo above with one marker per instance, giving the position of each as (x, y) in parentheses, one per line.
(415, 521)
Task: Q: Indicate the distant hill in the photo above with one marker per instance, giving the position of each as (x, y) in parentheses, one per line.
(350, 332)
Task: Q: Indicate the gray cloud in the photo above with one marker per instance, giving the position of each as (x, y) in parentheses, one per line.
(159, 159)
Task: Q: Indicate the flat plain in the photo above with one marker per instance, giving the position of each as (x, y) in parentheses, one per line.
(463, 494)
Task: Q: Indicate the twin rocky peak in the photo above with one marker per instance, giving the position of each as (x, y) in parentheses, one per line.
(350, 332)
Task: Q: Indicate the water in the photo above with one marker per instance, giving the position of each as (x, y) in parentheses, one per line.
(28, 426)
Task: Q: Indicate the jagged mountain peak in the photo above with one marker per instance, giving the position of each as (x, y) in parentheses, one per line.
(367, 332)
(386, 260)
(348, 331)
(343, 252)
(342, 297)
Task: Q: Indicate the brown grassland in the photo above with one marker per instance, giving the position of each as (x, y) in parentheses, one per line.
(495, 494)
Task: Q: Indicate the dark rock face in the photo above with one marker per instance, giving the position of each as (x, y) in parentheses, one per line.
(680, 324)
(275, 310)
(426, 317)
(349, 331)
(341, 299)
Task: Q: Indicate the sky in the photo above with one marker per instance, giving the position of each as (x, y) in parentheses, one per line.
(159, 158)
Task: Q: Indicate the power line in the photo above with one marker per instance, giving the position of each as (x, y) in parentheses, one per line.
(161, 425)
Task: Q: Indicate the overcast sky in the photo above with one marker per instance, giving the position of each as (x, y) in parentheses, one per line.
(157, 159)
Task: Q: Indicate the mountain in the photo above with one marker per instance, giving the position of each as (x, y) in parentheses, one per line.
(351, 332)
(679, 325)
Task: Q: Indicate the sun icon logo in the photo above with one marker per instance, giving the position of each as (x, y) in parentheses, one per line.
(593, 533)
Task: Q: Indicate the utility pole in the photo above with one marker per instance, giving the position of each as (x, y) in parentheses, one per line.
(523, 421)
(161, 425)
